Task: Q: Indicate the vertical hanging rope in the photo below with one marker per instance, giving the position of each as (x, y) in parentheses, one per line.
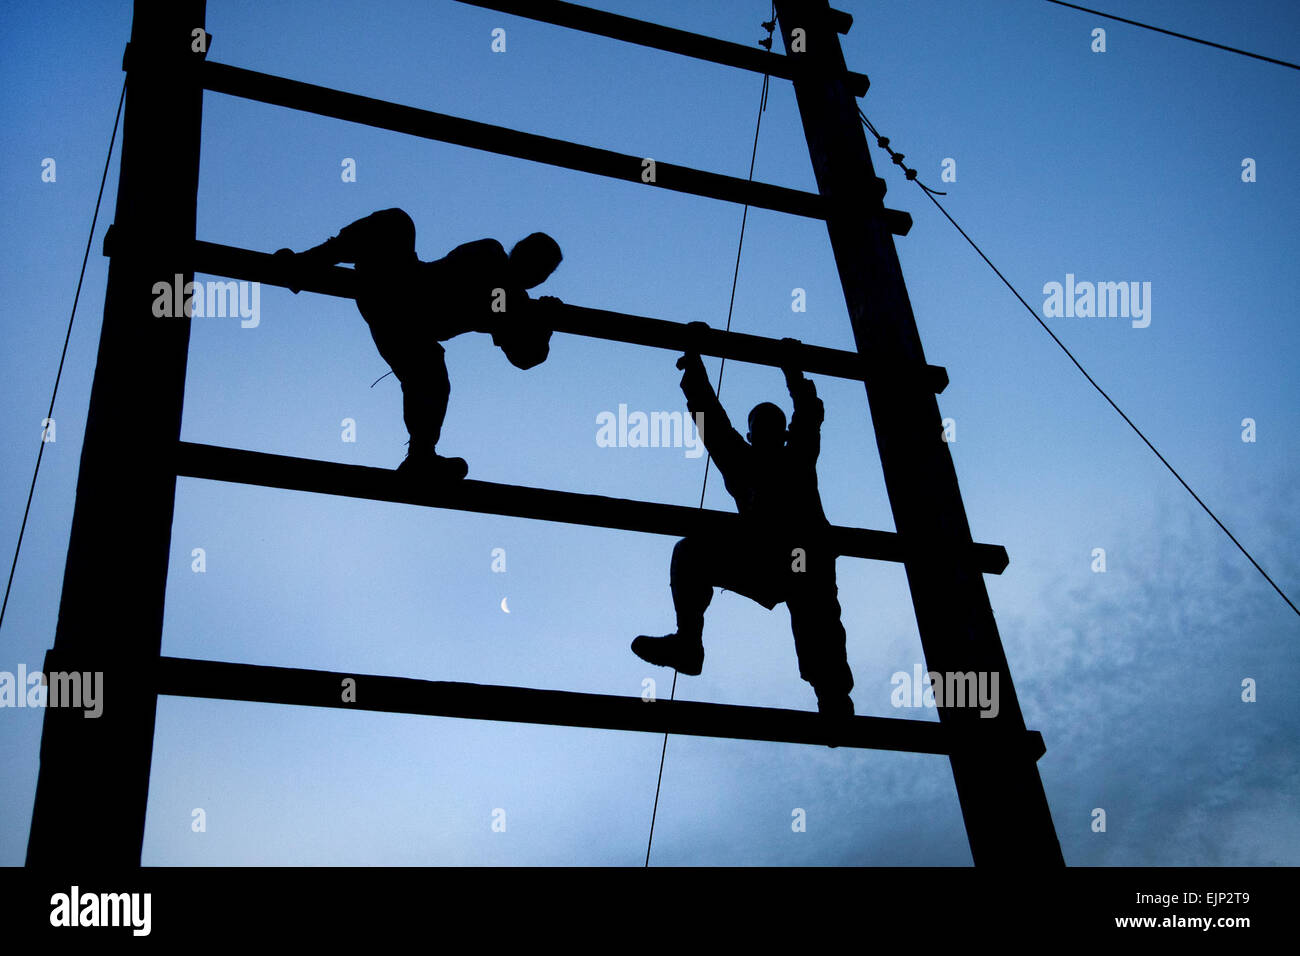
(735, 276)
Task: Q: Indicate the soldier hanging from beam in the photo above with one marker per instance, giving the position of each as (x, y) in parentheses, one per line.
(479, 289)
(781, 552)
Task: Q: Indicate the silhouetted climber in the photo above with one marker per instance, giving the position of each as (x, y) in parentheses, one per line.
(781, 552)
(411, 306)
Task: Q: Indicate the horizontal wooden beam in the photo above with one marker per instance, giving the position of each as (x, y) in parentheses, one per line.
(660, 37)
(214, 259)
(485, 497)
(294, 686)
(219, 680)
(292, 94)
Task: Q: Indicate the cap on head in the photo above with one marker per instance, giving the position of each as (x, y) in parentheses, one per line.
(534, 258)
(395, 241)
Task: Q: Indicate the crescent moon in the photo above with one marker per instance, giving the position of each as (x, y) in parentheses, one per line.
(503, 606)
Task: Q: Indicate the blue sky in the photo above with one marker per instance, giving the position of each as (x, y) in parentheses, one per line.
(1115, 166)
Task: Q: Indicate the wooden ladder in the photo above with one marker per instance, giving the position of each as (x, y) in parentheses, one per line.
(111, 608)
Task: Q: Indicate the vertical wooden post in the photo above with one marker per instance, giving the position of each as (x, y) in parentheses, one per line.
(93, 785)
(1008, 821)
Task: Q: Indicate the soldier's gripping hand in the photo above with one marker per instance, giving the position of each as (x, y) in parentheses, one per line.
(290, 266)
(545, 307)
(790, 358)
(792, 366)
(695, 332)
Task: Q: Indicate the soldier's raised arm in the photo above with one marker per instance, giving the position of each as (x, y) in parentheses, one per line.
(809, 413)
(718, 434)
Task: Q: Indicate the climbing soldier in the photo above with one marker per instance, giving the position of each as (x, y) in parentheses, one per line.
(476, 287)
(781, 551)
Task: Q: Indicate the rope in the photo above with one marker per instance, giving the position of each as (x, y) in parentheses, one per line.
(883, 143)
(1181, 36)
(735, 277)
(31, 491)
(1091, 381)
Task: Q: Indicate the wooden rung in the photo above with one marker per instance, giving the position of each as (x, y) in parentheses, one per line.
(234, 263)
(660, 37)
(543, 504)
(293, 94)
(220, 680)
